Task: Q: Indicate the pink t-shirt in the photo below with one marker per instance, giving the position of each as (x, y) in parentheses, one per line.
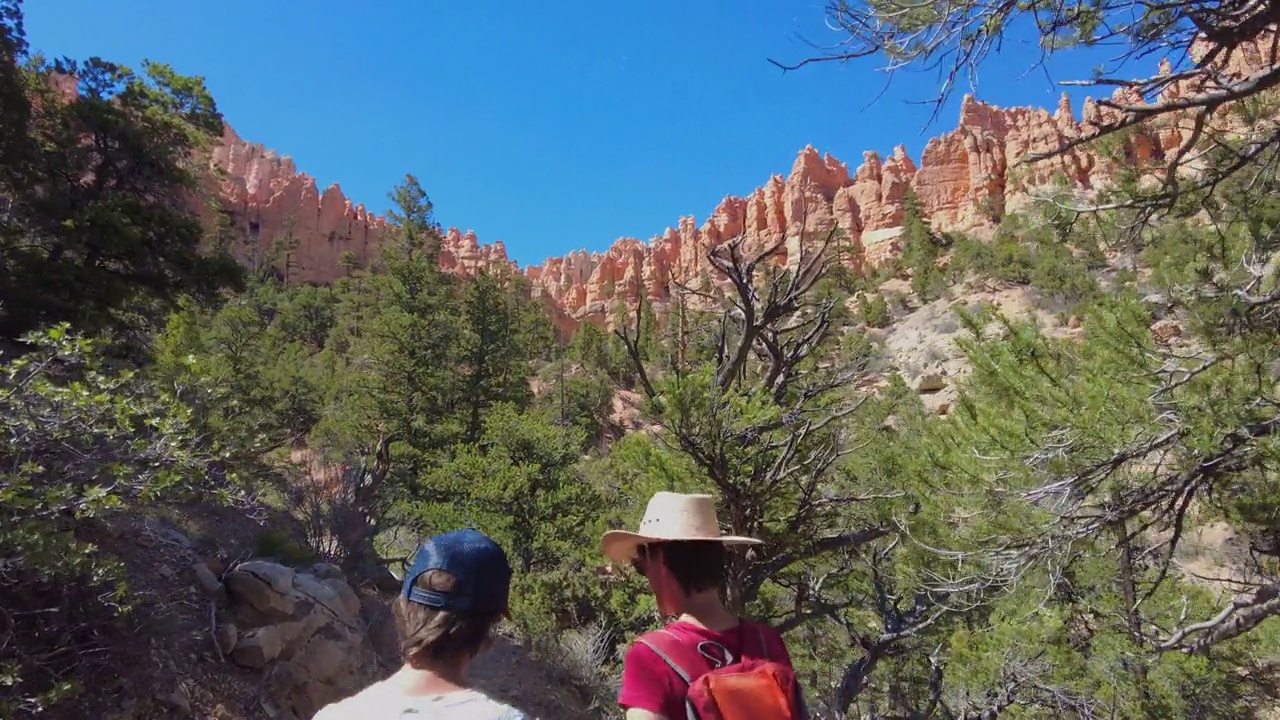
(648, 683)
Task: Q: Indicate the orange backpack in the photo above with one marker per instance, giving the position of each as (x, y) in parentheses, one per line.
(721, 687)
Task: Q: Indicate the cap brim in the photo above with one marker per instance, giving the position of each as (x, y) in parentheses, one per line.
(619, 546)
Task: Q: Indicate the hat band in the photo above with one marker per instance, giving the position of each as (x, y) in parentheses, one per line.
(679, 531)
(451, 602)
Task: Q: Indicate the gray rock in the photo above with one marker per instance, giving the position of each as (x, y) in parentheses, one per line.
(307, 635)
(208, 583)
(278, 576)
(177, 701)
(347, 598)
(328, 571)
(266, 587)
(1158, 305)
(307, 587)
(258, 647)
(162, 532)
(226, 637)
(931, 383)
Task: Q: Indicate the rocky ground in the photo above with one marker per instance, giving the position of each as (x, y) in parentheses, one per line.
(219, 632)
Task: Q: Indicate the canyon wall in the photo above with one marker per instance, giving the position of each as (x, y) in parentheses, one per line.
(965, 179)
(280, 216)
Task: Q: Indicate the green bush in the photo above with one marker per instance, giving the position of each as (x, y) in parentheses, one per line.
(577, 396)
(1028, 257)
(276, 544)
(522, 484)
(82, 439)
(874, 312)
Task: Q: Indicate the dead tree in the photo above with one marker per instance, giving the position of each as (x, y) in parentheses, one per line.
(767, 423)
(773, 350)
(341, 512)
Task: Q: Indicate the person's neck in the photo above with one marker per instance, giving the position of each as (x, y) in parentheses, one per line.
(433, 680)
(705, 609)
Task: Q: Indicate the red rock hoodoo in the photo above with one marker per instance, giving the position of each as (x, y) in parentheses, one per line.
(965, 179)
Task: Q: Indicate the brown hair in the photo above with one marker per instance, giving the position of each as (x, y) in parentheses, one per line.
(696, 565)
(430, 637)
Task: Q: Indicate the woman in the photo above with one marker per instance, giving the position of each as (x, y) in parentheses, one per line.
(451, 600)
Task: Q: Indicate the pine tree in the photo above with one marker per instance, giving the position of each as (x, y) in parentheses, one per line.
(522, 483)
(118, 245)
(1069, 479)
(410, 342)
(495, 352)
(394, 353)
(920, 250)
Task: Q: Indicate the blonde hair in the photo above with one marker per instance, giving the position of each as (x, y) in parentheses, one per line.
(429, 636)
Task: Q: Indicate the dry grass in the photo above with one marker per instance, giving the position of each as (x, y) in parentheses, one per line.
(582, 659)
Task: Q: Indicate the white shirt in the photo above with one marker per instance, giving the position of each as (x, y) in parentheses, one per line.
(383, 701)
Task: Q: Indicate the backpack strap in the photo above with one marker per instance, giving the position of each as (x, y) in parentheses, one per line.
(687, 662)
(762, 643)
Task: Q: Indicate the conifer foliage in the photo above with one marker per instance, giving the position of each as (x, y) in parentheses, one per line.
(96, 192)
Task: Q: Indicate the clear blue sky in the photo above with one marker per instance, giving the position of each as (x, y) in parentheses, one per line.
(551, 126)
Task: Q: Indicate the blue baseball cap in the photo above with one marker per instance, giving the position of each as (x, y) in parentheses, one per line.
(482, 575)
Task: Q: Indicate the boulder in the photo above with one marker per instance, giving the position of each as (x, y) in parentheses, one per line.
(304, 630)
(176, 701)
(208, 582)
(257, 647)
(328, 571)
(226, 637)
(1166, 331)
(263, 586)
(931, 383)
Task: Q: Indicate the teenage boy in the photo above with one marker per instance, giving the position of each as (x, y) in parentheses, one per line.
(680, 551)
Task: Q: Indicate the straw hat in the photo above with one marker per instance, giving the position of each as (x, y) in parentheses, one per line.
(670, 516)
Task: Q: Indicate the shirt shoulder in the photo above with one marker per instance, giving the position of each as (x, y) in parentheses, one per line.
(353, 706)
(471, 705)
(375, 703)
(648, 683)
(739, 639)
(491, 709)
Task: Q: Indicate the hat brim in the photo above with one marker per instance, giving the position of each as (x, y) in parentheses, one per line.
(619, 546)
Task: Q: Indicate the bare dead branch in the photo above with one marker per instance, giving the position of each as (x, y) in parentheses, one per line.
(1242, 615)
(1220, 54)
(770, 471)
(631, 341)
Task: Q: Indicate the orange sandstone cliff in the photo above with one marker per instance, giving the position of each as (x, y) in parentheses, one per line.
(965, 179)
(314, 235)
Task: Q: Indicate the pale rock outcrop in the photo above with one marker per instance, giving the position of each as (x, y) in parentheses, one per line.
(462, 253)
(281, 216)
(301, 629)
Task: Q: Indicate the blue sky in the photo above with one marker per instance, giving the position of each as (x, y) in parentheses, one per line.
(550, 126)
